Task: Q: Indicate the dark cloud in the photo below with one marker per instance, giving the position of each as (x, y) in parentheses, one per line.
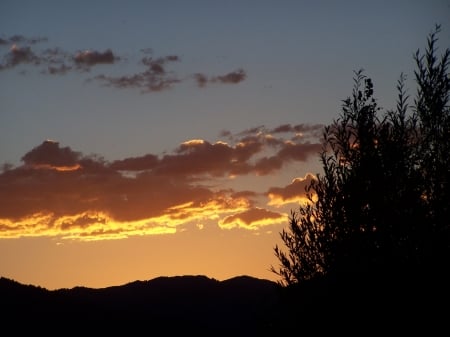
(198, 157)
(233, 77)
(288, 152)
(160, 61)
(314, 130)
(299, 151)
(20, 51)
(308, 127)
(283, 128)
(89, 58)
(17, 39)
(49, 153)
(201, 79)
(155, 77)
(21, 39)
(19, 55)
(147, 81)
(146, 162)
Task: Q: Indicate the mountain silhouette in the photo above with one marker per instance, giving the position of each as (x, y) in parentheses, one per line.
(241, 305)
(197, 305)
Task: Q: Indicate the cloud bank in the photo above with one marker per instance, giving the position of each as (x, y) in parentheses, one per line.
(154, 77)
(58, 191)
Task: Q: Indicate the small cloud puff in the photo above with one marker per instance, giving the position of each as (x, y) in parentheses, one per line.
(92, 57)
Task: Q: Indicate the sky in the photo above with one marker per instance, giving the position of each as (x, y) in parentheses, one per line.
(159, 138)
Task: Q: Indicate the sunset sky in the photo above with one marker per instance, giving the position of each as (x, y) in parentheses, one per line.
(159, 138)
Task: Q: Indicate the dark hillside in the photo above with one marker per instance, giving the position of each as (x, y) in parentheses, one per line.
(238, 306)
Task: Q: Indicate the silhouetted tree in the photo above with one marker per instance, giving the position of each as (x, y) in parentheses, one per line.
(433, 155)
(380, 209)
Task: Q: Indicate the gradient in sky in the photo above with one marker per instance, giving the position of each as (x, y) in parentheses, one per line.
(156, 138)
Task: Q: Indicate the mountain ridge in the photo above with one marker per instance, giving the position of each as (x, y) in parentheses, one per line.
(193, 303)
(199, 276)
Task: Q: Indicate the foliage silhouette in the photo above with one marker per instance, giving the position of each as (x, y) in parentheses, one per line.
(379, 215)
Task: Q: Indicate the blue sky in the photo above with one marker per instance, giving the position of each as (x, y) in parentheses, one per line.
(298, 56)
(145, 81)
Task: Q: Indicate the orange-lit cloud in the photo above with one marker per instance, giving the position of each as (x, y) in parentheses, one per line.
(293, 193)
(252, 219)
(60, 192)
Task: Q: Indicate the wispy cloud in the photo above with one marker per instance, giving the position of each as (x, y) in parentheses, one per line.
(21, 39)
(61, 192)
(154, 77)
(233, 77)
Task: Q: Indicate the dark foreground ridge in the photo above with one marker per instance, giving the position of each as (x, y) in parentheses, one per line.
(197, 304)
(240, 306)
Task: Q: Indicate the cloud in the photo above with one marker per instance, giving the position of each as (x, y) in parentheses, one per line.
(146, 162)
(19, 55)
(147, 81)
(201, 79)
(21, 39)
(49, 153)
(297, 128)
(62, 69)
(61, 192)
(155, 76)
(295, 192)
(252, 219)
(233, 77)
(89, 58)
(157, 65)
